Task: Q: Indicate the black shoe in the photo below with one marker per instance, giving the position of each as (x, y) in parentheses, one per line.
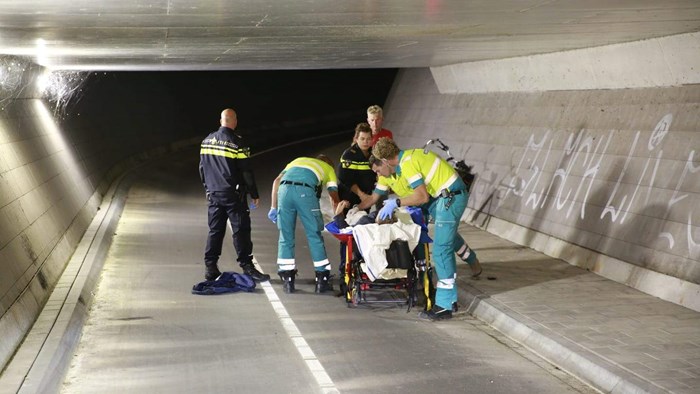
(249, 269)
(211, 271)
(323, 282)
(476, 268)
(288, 280)
(436, 313)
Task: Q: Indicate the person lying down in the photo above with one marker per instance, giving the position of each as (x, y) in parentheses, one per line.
(373, 238)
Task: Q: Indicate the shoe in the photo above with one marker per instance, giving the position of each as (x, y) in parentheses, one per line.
(323, 282)
(476, 268)
(211, 271)
(287, 280)
(249, 269)
(436, 313)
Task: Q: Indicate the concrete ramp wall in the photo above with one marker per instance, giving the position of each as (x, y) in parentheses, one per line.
(606, 179)
(53, 174)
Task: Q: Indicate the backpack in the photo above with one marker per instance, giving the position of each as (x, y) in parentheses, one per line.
(228, 282)
(465, 172)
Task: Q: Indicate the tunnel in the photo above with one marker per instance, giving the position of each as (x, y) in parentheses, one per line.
(580, 124)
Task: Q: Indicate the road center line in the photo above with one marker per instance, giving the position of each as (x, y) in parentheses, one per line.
(314, 365)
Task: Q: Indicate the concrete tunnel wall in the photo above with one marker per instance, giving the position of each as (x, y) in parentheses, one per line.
(53, 174)
(56, 164)
(608, 180)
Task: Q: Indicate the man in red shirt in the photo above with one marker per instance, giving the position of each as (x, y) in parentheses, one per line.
(375, 118)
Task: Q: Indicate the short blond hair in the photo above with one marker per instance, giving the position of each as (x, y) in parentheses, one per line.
(385, 148)
(375, 110)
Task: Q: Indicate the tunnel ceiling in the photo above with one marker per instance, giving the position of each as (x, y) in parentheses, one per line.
(321, 34)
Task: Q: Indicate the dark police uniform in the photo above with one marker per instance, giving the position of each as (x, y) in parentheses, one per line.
(224, 168)
(354, 169)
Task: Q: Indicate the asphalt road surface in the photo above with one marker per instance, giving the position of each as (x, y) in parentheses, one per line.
(147, 333)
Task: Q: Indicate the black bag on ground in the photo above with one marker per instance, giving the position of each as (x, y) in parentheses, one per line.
(399, 255)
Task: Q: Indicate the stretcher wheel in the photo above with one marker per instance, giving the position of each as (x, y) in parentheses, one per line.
(356, 295)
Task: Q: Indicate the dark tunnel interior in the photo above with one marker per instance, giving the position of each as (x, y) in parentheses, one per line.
(274, 107)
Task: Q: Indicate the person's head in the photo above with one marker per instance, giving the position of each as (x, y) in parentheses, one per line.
(385, 149)
(389, 220)
(375, 118)
(229, 118)
(379, 167)
(325, 158)
(363, 136)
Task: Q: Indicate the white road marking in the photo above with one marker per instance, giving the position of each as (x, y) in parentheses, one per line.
(314, 365)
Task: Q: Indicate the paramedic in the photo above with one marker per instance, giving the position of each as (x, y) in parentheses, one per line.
(387, 182)
(296, 192)
(225, 172)
(428, 175)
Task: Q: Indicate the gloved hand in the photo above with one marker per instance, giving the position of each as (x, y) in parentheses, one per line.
(272, 215)
(254, 204)
(208, 196)
(387, 210)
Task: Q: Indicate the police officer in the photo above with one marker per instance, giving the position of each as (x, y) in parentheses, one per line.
(224, 168)
(296, 192)
(356, 179)
(429, 175)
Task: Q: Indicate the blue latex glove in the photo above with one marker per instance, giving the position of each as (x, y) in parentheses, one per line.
(387, 210)
(272, 215)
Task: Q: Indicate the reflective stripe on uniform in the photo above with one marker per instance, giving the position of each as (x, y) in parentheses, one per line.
(433, 170)
(224, 151)
(286, 264)
(323, 172)
(448, 283)
(355, 165)
(323, 263)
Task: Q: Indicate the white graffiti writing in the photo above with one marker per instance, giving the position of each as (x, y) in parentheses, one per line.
(579, 164)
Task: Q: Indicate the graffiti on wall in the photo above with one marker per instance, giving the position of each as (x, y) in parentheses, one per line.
(568, 187)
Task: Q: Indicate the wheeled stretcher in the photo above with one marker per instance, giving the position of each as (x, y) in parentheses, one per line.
(407, 271)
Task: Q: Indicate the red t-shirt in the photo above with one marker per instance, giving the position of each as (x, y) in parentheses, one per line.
(380, 134)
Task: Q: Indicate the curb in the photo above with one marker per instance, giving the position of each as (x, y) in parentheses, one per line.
(569, 356)
(60, 329)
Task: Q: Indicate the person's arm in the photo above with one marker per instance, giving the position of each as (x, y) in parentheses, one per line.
(419, 197)
(356, 189)
(339, 217)
(333, 195)
(201, 176)
(275, 188)
(368, 201)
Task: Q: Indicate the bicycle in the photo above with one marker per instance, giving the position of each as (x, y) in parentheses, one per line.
(463, 170)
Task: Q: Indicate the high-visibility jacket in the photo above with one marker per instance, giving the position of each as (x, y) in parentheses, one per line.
(310, 171)
(224, 164)
(427, 168)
